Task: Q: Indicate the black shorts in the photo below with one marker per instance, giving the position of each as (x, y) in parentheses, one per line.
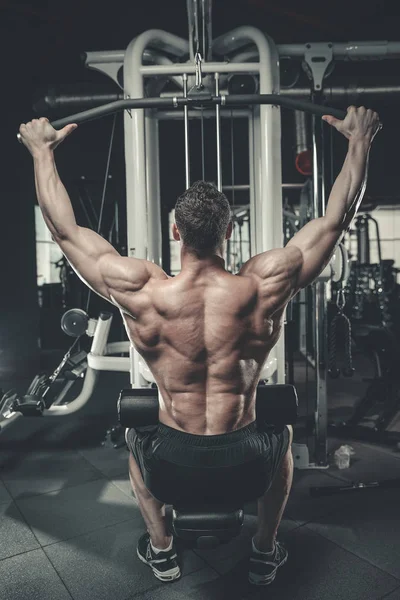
(183, 469)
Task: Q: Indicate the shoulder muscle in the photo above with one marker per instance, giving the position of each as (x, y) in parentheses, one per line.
(277, 272)
(279, 263)
(125, 274)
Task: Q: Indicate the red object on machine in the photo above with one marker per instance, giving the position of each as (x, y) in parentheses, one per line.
(304, 162)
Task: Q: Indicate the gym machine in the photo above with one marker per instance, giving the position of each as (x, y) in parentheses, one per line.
(55, 394)
(372, 296)
(202, 76)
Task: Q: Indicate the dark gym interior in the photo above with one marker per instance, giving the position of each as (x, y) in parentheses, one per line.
(69, 523)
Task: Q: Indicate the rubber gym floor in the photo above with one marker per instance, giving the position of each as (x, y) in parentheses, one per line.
(69, 523)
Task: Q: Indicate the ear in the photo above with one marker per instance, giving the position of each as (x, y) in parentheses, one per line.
(175, 233)
(229, 230)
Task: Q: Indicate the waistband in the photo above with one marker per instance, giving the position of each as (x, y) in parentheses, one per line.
(182, 437)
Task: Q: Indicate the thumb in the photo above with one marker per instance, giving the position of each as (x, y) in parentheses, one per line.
(331, 120)
(63, 133)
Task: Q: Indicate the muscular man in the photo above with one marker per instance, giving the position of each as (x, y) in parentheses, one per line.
(205, 335)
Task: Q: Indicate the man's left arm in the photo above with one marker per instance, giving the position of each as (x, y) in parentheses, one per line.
(95, 261)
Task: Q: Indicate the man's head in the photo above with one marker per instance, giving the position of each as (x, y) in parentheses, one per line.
(202, 218)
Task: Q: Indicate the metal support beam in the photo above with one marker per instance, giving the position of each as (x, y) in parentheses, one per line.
(347, 94)
(352, 51)
(365, 50)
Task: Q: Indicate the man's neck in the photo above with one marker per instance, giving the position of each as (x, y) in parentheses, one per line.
(190, 261)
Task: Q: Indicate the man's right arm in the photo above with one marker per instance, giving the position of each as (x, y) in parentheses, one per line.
(317, 240)
(95, 261)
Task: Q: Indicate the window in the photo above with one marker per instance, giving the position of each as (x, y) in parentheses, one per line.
(47, 252)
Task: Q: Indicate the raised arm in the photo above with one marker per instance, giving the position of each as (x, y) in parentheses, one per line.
(317, 240)
(96, 262)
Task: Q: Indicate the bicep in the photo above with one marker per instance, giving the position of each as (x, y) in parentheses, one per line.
(99, 265)
(316, 241)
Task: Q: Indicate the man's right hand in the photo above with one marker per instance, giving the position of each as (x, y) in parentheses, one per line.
(39, 135)
(359, 123)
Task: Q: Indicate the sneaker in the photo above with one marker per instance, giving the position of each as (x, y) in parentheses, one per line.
(263, 568)
(164, 564)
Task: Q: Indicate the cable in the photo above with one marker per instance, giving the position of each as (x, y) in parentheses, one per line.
(196, 28)
(110, 146)
(203, 26)
(232, 162)
(88, 197)
(89, 220)
(202, 147)
(103, 197)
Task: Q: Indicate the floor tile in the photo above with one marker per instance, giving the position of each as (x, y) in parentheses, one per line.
(4, 495)
(301, 507)
(368, 527)
(15, 534)
(123, 483)
(395, 595)
(198, 585)
(77, 510)
(41, 472)
(103, 565)
(224, 557)
(369, 463)
(30, 576)
(109, 461)
(316, 569)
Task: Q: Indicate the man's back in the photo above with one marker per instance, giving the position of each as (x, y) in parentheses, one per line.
(205, 335)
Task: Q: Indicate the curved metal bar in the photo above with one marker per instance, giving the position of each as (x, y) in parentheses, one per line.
(89, 383)
(201, 100)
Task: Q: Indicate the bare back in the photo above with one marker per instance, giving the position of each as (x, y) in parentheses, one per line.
(205, 336)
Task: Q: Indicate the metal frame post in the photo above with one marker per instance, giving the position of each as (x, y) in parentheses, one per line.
(320, 305)
(318, 58)
(267, 223)
(252, 181)
(135, 146)
(139, 218)
(218, 134)
(186, 126)
(153, 188)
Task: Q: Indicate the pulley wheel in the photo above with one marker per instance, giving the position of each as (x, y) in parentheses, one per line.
(74, 322)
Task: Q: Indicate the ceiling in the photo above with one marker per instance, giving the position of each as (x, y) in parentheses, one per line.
(46, 35)
(41, 43)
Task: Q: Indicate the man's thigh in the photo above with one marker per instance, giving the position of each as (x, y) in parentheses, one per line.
(280, 442)
(139, 441)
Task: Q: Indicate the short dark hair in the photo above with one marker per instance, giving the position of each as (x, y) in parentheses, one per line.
(202, 215)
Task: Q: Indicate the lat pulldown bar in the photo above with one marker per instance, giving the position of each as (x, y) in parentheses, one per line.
(197, 101)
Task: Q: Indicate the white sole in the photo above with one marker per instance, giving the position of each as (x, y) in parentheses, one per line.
(260, 580)
(171, 575)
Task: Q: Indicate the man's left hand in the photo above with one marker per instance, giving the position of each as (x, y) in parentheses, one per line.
(39, 135)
